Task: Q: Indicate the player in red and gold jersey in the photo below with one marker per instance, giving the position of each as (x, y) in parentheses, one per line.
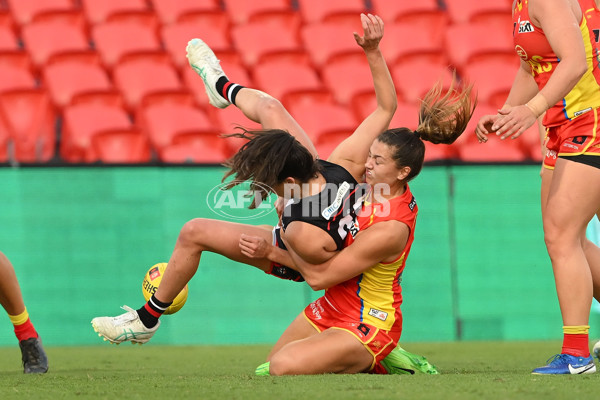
(557, 43)
(356, 325)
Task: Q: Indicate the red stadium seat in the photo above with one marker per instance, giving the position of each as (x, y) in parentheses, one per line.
(15, 78)
(145, 18)
(346, 77)
(24, 10)
(163, 122)
(434, 22)
(241, 11)
(8, 39)
(255, 40)
(114, 40)
(290, 19)
(139, 77)
(324, 41)
(81, 122)
(404, 41)
(414, 79)
(98, 11)
(279, 78)
(72, 17)
(30, 120)
(4, 143)
(109, 97)
(491, 76)
(235, 72)
(196, 147)
(438, 152)
(465, 42)
(406, 116)
(318, 120)
(66, 79)
(17, 59)
(176, 36)
(40, 39)
(390, 10)
(169, 10)
(318, 10)
(494, 150)
(120, 146)
(461, 11)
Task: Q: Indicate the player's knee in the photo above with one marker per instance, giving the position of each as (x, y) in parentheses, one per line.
(270, 108)
(281, 364)
(193, 233)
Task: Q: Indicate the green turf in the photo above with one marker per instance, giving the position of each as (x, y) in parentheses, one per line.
(470, 370)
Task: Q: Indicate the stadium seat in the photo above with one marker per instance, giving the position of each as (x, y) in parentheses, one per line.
(41, 43)
(66, 79)
(72, 17)
(23, 11)
(98, 11)
(146, 18)
(4, 143)
(176, 36)
(391, 10)
(8, 39)
(434, 23)
(82, 121)
(491, 76)
(324, 41)
(495, 19)
(119, 146)
(139, 77)
(438, 152)
(406, 41)
(228, 120)
(169, 10)
(279, 78)
(108, 97)
(89, 57)
(14, 77)
(465, 42)
(255, 40)
(328, 141)
(236, 72)
(30, 120)
(318, 120)
(494, 150)
(318, 10)
(242, 11)
(162, 122)
(314, 97)
(196, 147)
(290, 19)
(462, 11)
(346, 77)
(415, 79)
(113, 40)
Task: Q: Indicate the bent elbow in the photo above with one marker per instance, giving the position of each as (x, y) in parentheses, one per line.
(315, 283)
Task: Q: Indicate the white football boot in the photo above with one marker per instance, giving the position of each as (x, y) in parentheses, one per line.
(123, 328)
(207, 65)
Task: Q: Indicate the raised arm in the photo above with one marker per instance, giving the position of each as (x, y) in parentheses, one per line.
(352, 152)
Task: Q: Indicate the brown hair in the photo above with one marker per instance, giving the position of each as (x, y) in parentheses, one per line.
(269, 157)
(442, 119)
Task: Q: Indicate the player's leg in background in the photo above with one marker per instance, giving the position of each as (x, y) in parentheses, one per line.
(257, 106)
(33, 354)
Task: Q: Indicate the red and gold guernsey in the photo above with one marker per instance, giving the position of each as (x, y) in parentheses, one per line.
(532, 47)
(374, 297)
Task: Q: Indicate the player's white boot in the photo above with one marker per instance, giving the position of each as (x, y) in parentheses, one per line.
(207, 65)
(123, 328)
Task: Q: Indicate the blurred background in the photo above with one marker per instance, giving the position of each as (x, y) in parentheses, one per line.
(108, 146)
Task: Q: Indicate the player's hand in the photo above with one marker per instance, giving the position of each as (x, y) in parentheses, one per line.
(513, 121)
(484, 127)
(372, 32)
(254, 246)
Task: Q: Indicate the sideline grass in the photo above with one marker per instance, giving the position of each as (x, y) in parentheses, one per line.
(471, 370)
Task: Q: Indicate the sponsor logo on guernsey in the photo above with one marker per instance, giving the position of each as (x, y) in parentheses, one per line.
(382, 315)
(551, 154)
(525, 27)
(521, 53)
(412, 204)
(337, 202)
(581, 112)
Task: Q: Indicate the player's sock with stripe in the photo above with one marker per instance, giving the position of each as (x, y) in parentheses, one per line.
(263, 369)
(576, 340)
(23, 327)
(228, 89)
(151, 311)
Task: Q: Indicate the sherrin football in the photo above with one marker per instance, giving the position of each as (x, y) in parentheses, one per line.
(151, 283)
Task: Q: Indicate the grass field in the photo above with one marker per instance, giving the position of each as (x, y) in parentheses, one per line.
(470, 370)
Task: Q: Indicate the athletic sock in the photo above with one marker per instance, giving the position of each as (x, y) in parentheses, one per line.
(151, 311)
(576, 340)
(263, 369)
(227, 89)
(23, 326)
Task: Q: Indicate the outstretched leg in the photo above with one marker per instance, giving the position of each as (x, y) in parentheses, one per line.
(258, 106)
